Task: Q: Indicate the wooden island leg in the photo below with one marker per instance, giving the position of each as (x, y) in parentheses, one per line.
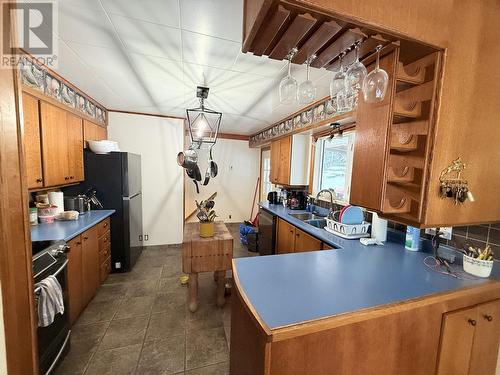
(221, 280)
(193, 292)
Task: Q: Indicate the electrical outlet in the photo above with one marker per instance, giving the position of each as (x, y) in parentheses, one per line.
(146, 237)
(230, 216)
(446, 232)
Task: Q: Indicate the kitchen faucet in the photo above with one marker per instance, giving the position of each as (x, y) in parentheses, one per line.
(332, 192)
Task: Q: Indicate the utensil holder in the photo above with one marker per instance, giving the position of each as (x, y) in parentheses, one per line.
(477, 267)
(207, 229)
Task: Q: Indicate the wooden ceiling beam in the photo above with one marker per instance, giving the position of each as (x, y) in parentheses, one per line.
(293, 35)
(270, 30)
(325, 33)
(347, 39)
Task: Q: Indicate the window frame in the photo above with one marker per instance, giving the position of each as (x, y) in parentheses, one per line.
(318, 167)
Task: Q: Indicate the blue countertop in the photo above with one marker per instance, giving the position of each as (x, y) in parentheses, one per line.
(66, 230)
(293, 288)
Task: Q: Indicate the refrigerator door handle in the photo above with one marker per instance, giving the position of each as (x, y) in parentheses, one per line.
(133, 196)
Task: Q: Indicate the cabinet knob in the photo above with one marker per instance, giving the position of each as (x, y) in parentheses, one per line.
(105, 225)
(78, 243)
(489, 318)
(39, 180)
(71, 177)
(85, 238)
(472, 322)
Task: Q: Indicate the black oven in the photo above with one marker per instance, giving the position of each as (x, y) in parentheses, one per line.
(53, 340)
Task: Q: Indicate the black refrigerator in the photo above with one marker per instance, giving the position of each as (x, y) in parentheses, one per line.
(116, 177)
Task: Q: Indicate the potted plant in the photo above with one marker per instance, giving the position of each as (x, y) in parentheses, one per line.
(206, 215)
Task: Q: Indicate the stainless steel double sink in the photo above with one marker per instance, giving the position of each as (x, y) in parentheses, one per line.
(311, 218)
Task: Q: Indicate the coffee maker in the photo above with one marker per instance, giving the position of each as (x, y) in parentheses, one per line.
(273, 198)
(297, 200)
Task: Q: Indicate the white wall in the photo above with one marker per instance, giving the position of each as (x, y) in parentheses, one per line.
(158, 140)
(235, 183)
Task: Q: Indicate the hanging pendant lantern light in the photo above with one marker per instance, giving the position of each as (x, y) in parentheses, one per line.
(203, 122)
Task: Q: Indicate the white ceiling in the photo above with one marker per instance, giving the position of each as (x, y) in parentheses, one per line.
(149, 56)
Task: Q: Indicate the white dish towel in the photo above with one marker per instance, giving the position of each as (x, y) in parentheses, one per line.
(50, 300)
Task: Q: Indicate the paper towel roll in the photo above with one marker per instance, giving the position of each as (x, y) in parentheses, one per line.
(379, 228)
(57, 199)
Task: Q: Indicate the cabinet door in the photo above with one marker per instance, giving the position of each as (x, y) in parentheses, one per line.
(90, 261)
(371, 144)
(101, 133)
(285, 241)
(75, 147)
(305, 242)
(75, 280)
(54, 145)
(32, 145)
(285, 160)
(457, 338)
(89, 132)
(485, 349)
(275, 162)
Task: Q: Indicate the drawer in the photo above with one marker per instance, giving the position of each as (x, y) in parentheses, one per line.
(105, 269)
(104, 254)
(103, 226)
(104, 240)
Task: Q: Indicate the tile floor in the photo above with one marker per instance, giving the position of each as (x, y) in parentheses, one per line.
(138, 323)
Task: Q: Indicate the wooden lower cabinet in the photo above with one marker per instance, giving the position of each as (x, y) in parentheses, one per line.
(470, 341)
(285, 239)
(305, 242)
(75, 278)
(290, 239)
(89, 264)
(401, 339)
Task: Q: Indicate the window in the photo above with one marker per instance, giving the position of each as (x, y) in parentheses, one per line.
(333, 165)
(266, 185)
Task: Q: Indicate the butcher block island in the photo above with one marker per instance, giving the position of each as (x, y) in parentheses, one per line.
(212, 254)
(360, 311)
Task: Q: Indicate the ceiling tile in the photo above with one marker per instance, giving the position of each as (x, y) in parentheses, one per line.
(262, 65)
(162, 77)
(163, 12)
(87, 25)
(205, 50)
(219, 18)
(148, 38)
(117, 71)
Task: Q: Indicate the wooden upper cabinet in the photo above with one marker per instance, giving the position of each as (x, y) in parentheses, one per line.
(62, 145)
(275, 156)
(284, 161)
(290, 160)
(470, 340)
(93, 132)
(32, 145)
(285, 239)
(75, 148)
(305, 242)
(55, 145)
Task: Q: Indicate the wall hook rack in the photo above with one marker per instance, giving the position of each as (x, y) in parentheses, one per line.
(456, 187)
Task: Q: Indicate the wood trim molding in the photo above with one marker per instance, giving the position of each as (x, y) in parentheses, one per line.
(15, 243)
(41, 96)
(234, 137)
(145, 114)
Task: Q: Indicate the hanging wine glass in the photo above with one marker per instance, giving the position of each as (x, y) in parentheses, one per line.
(375, 83)
(338, 80)
(288, 85)
(356, 72)
(307, 90)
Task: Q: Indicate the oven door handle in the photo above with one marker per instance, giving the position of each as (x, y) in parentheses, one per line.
(64, 265)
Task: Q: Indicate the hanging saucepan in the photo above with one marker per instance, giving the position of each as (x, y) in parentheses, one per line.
(187, 159)
(212, 169)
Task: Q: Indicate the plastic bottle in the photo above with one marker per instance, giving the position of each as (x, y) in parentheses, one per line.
(412, 241)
